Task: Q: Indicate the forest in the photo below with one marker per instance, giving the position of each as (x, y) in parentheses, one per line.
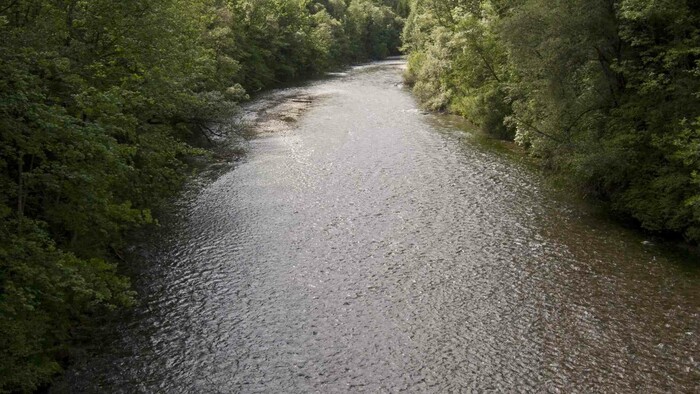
(99, 103)
(102, 102)
(604, 92)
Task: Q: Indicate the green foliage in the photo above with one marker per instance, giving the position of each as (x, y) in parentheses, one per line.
(375, 29)
(271, 41)
(457, 63)
(45, 292)
(604, 90)
(98, 100)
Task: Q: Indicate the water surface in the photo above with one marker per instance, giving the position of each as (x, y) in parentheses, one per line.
(362, 245)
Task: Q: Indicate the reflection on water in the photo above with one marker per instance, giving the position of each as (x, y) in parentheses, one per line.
(368, 246)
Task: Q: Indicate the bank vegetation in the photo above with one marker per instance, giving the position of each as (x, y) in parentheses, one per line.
(98, 101)
(605, 92)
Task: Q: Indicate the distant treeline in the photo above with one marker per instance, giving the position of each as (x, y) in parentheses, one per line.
(97, 101)
(604, 91)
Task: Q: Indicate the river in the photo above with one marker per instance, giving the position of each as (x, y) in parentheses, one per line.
(361, 245)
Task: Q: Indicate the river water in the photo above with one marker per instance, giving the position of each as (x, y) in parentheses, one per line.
(364, 246)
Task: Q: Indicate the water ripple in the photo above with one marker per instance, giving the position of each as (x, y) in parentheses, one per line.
(371, 248)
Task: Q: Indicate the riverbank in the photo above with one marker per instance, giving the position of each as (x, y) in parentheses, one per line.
(566, 186)
(218, 153)
(99, 105)
(593, 113)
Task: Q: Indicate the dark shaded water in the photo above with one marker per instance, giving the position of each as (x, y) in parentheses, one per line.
(370, 247)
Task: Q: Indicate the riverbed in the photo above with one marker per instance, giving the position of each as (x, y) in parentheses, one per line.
(363, 245)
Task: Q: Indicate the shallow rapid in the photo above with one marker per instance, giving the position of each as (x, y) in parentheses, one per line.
(363, 245)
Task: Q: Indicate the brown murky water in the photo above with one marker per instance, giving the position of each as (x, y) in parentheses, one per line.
(363, 246)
